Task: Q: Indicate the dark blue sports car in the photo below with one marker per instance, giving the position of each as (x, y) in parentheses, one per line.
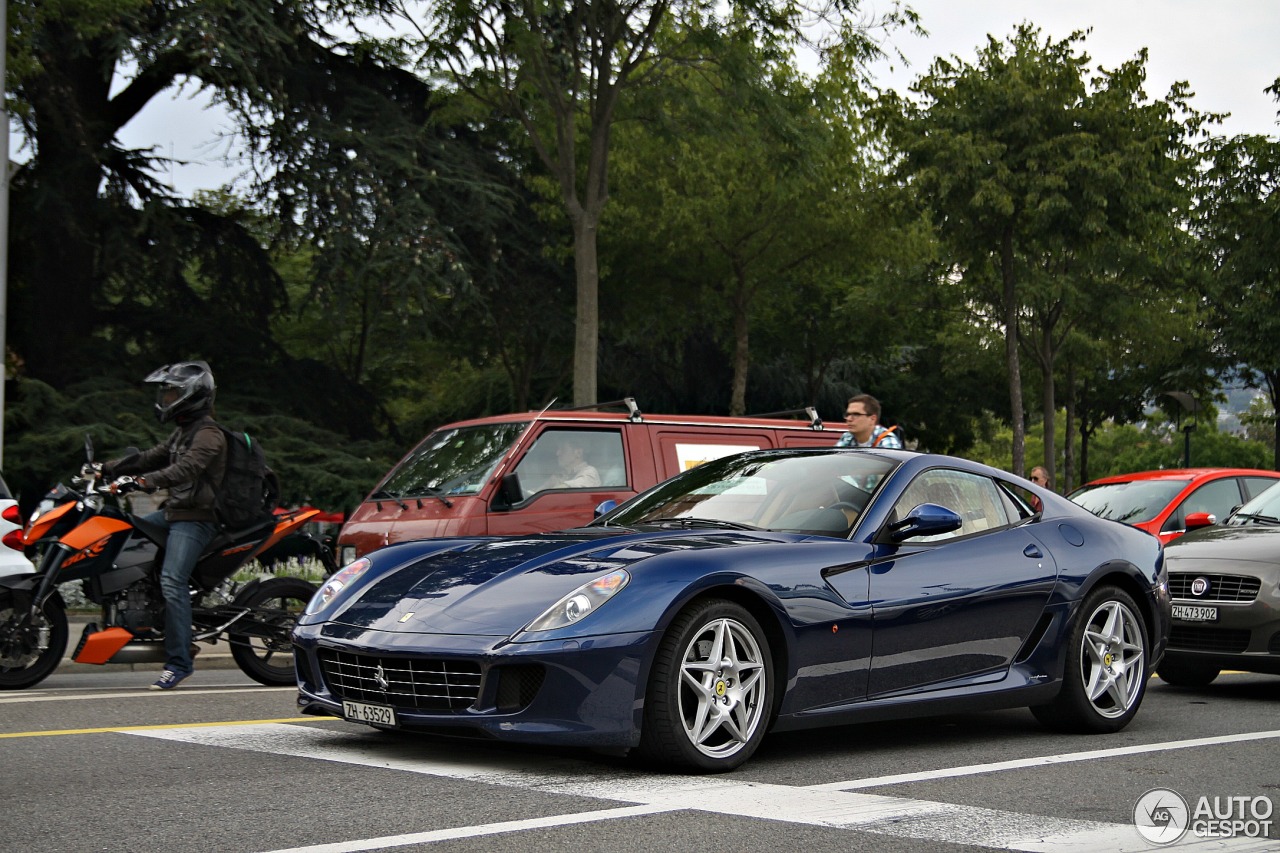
(771, 590)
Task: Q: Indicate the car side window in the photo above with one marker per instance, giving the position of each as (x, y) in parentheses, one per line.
(573, 459)
(1254, 486)
(975, 498)
(1217, 498)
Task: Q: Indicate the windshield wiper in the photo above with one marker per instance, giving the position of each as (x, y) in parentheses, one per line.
(438, 495)
(385, 494)
(1257, 516)
(691, 522)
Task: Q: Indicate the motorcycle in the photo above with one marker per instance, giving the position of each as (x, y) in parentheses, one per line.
(88, 535)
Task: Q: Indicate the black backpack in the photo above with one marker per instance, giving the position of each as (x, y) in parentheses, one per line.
(249, 489)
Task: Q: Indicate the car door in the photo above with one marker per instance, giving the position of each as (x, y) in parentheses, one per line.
(955, 606)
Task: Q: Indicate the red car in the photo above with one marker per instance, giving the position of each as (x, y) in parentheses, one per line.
(1169, 503)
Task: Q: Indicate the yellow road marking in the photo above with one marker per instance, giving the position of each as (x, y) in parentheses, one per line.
(165, 726)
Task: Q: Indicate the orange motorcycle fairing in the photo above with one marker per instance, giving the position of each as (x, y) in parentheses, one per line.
(93, 529)
(286, 524)
(41, 526)
(101, 646)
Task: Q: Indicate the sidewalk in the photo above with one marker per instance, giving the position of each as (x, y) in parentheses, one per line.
(217, 656)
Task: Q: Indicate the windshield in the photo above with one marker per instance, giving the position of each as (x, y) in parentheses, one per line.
(1264, 509)
(793, 491)
(1133, 502)
(451, 461)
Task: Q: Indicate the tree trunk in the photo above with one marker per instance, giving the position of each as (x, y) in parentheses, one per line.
(1049, 408)
(1011, 352)
(738, 396)
(586, 338)
(1068, 429)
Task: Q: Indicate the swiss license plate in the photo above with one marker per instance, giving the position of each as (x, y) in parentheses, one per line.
(363, 712)
(1188, 613)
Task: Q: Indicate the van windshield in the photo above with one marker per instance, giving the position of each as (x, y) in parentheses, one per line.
(452, 461)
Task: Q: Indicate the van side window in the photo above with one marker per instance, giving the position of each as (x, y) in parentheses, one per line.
(573, 459)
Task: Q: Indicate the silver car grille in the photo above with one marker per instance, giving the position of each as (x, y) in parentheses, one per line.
(1221, 587)
(422, 684)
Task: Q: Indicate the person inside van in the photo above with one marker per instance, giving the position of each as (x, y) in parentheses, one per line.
(574, 471)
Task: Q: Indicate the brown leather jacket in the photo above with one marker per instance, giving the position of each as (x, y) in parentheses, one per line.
(188, 463)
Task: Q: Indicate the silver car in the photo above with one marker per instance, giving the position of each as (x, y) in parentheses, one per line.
(1225, 583)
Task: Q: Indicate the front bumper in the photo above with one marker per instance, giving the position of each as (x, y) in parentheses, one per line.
(583, 692)
(1246, 633)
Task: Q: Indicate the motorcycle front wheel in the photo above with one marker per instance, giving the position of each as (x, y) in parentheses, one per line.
(30, 649)
(264, 647)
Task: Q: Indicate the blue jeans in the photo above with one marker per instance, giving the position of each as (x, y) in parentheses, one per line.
(186, 542)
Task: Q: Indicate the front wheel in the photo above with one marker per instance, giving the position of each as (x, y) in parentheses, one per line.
(710, 690)
(30, 649)
(263, 646)
(1106, 672)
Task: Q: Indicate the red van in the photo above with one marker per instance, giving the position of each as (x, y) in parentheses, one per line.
(540, 471)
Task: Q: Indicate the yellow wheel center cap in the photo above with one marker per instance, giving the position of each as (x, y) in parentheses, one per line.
(1109, 659)
(720, 688)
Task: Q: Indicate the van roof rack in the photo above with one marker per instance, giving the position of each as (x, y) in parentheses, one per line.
(815, 421)
(629, 403)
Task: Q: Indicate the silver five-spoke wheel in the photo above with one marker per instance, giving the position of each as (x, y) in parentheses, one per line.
(721, 688)
(710, 691)
(1112, 659)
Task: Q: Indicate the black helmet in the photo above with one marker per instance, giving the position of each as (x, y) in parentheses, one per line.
(186, 388)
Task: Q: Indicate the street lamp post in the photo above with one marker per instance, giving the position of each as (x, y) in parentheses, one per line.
(1186, 405)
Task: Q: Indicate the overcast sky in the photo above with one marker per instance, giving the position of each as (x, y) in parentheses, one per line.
(1227, 50)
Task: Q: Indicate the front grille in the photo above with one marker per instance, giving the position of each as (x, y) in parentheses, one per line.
(1221, 587)
(1226, 640)
(419, 684)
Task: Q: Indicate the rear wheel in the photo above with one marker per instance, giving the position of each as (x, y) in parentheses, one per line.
(30, 649)
(1182, 673)
(264, 647)
(1106, 673)
(710, 691)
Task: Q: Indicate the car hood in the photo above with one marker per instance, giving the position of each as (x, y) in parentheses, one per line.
(498, 586)
(1251, 543)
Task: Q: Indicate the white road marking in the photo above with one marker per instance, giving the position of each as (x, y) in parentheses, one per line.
(818, 805)
(140, 693)
(1040, 761)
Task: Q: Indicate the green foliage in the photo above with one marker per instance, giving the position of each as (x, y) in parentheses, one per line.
(47, 430)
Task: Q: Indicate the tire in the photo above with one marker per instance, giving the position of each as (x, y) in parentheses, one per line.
(1106, 673)
(25, 659)
(1184, 673)
(264, 649)
(700, 713)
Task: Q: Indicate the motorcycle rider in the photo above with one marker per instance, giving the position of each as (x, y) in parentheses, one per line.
(189, 463)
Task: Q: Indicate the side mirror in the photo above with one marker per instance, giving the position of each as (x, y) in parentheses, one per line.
(925, 520)
(509, 491)
(1196, 520)
(605, 507)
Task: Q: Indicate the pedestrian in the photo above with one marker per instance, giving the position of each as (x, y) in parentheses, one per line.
(190, 464)
(862, 416)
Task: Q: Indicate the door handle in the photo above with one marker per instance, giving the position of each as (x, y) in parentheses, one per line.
(1033, 552)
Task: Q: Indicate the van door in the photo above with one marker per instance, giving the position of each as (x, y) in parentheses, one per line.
(563, 475)
(679, 449)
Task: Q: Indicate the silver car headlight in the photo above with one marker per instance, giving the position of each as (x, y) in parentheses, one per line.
(580, 603)
(336, 584)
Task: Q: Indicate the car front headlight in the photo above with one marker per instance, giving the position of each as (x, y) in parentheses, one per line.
(336, 584)
(580, 603)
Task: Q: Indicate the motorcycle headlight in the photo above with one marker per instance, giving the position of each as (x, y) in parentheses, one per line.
(580, 603)
(336, 584)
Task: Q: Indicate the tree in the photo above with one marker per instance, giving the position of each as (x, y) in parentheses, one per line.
(561, 69)
(1240, 227)
(1043, 181)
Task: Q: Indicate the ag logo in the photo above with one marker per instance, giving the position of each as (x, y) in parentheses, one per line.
(1161, 816)
(1199, 586)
